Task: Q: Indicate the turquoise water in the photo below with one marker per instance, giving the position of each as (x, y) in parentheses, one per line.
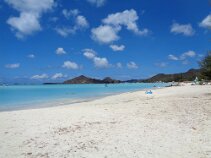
(33, 96)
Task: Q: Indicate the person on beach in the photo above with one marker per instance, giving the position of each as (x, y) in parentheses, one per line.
(148, 92)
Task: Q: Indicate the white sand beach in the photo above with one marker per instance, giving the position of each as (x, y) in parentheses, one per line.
(173, 122)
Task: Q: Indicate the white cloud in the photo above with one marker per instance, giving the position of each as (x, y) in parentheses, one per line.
(185, 29)
(35, 6)
(117, 48)
(38, 77)
(70, 65)
(184, 56)
(206, 22)
(132, 65)
(25, 25)
(58, 75)
(97, 3)
(31, 56)
(101, 62)
(105, 34)
(190, 54)
(172, 57)
(60, 51)
(12, 66)
(126, 18)
(30, 13)
(108, 31)
(68, 13)
(89, 53)
(81, 22)
(119, 65)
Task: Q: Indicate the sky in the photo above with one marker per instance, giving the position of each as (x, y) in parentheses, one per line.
(54, 40)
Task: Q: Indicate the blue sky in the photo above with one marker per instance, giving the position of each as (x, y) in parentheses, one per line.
(53, 40)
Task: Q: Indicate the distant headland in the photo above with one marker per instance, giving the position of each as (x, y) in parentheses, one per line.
(177, 77)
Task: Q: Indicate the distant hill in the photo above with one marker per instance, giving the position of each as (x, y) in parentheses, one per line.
(82, 80)
(87, 80)
(190, 75)
(187, 76)
(110, 80)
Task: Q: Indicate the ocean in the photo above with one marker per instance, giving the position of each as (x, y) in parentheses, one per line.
(16, 97)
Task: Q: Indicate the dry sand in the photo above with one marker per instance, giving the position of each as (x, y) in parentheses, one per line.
(174, 122)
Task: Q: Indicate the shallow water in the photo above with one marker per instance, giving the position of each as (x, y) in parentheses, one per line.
(25, 96)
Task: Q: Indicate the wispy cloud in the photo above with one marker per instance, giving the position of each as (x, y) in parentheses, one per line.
(80, 23)
(117, 48)
(69, 13)
(190, 54)
(12, 66)
(206, 22)
(64, 31)
(38, 77)
(183, 57)
(132, 65)
(58, 76)
(185, 29)
(172, 57)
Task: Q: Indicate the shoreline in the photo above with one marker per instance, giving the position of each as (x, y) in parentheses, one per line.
(68, 102)
(172, 122)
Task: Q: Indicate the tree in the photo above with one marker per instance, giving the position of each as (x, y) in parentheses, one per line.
(205, 65)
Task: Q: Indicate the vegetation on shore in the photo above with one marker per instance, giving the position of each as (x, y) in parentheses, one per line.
(205, 65)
